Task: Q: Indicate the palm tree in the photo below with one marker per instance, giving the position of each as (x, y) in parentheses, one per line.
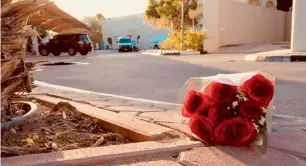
(15, 75)
(95, 24)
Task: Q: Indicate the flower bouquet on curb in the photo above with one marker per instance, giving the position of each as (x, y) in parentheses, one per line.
(230, 109)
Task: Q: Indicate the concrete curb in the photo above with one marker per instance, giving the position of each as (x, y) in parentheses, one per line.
(260, 57)
(102, 155)
(58, 87)
(131, 127)
(161, 53)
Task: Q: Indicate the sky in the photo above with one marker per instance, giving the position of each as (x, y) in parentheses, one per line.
(109, 8)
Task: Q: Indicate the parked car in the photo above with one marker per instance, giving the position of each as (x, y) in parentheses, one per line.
(155, 41)
(125, 44)
(71, 43)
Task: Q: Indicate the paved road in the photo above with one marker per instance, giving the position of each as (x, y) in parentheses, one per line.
(161, 78)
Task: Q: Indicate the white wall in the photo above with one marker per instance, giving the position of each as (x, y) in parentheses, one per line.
(211, 24)
(298, 31)
(242, 23)
(130, 25)
(288, 26)
(230, 22)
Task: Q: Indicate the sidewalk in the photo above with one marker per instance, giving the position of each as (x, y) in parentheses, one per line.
(134, 107)
(283, 55)
(170, 52)
(160, 123)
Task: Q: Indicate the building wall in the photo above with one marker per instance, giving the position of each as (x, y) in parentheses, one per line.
(130, 25)
(288, 26)
(241, 23)
(231, 22)
(298, 30)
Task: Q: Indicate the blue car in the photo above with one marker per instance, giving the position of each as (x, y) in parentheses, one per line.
(155, 41)
(125, 44)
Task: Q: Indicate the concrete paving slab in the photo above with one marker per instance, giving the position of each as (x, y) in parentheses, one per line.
(105, 104)
(155, 163)
(166, 107)
(162, 159)
(229, 156)
(133, 109)
(170, 117)
(181, 126)
(137, 103)
(293, 142)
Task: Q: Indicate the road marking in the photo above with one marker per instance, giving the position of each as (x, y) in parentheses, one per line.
(59, 87)
(38, 69)
(80, 63)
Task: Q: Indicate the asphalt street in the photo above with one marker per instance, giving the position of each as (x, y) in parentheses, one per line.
(161, 78)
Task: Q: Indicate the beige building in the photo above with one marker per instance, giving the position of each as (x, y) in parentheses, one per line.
(133, 26)
(231, 22)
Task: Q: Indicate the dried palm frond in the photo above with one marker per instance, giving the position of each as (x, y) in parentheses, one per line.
(15, 75)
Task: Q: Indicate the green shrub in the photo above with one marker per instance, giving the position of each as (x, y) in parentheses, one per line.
(192, 40)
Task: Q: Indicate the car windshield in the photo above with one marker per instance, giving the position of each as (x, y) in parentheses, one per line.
(84, 38)
(125, 40)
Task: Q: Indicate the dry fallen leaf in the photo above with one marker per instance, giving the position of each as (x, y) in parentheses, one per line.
(13, 130)
(54, 146)
(35, 136)
(29, 140)
(64, 115)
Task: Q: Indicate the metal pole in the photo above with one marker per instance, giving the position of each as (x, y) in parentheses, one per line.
(182, 26)
(193, 24)
(35, 43)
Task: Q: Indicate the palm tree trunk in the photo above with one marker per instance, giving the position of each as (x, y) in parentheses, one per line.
(15, 76)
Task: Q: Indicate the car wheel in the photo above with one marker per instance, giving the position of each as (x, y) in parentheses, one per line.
(156, 47)
(56, 53)
(44, 52)
(72, 51)
(83, 52)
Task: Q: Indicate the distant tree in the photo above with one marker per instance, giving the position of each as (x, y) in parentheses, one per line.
(42, 32)
(151, 11)
(95, 24)
(167, 13)
(100, 16)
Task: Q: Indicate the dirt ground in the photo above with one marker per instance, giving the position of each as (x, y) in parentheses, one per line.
(57, 129)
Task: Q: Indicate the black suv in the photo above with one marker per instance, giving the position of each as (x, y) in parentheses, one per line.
(71, 43)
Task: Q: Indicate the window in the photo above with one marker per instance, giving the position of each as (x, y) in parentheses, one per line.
(125, 40)
(109, 41)
(84, 38)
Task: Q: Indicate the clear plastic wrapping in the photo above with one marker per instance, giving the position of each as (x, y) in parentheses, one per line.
(230, 109)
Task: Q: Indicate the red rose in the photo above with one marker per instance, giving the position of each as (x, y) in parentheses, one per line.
(195, 102)
(202, 127)
(250, 109)
(259, 89)
(235, 132)
(221, 93)
(218, 113)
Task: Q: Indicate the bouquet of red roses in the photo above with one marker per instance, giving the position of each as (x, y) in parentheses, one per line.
(231, 110)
